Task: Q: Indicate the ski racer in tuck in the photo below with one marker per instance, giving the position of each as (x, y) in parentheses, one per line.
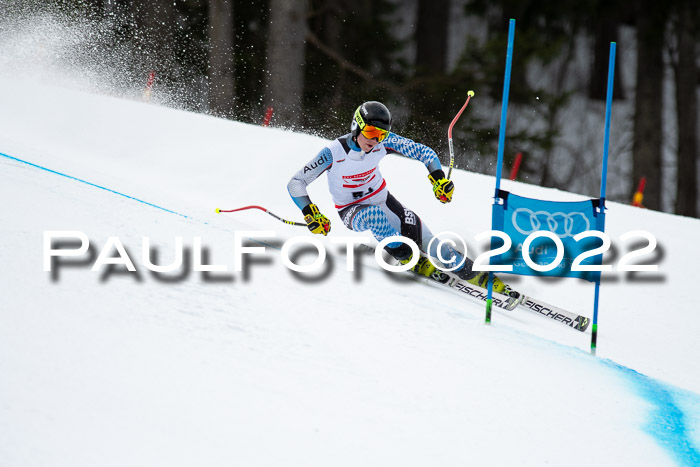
(363, 200)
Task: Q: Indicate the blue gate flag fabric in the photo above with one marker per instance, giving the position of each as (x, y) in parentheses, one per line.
(521, 217)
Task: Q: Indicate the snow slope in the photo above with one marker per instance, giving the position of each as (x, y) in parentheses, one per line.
(274, 368)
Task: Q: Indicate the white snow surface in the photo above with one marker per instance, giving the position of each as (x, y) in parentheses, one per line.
(116, 368)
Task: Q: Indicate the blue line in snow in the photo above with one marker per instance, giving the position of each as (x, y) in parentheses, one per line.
(94, 185)
(667, 424)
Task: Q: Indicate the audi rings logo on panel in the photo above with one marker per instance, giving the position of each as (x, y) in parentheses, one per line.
(562, 224)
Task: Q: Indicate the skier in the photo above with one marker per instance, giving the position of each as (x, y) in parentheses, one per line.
(363, 200)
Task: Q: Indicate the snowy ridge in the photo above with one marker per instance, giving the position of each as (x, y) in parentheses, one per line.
(352, 368)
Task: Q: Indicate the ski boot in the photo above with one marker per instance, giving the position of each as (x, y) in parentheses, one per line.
(425, 268)
(513, 295)
(481, 279)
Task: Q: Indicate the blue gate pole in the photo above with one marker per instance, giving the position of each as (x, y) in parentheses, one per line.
(501, 144)
(504, 104)
(603, 185)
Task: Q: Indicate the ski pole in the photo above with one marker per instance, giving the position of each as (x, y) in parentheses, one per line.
(264, 210)
(470, 94)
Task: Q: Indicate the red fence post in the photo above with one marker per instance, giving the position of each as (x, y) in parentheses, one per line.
(516, 166)
(639, 194)
(268, 117)
(149, 86)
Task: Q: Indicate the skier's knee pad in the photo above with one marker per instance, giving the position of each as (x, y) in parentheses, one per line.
(466, 272)
(401, 252)
(411, 225)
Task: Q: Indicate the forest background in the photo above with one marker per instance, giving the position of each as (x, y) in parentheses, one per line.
(313, 62)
